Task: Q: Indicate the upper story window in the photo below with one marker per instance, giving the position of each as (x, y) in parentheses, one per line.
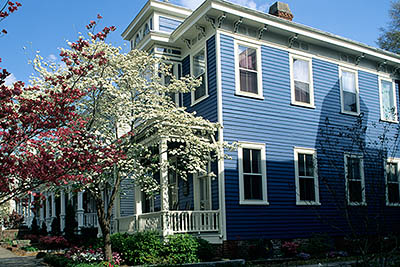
(199, 71)
(301, 81)
(355, 183)
(248, 70)
(146, 29)
(137, 39)
(392, 182)
(252, 174)
(350, 100)
(388, 100)
(307, 192)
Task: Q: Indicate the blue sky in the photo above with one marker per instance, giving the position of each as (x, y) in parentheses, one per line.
(46, 25)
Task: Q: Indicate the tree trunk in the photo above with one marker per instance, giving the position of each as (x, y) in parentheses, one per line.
(104, 223)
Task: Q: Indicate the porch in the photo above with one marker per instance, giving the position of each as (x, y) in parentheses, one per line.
(205, 223)
(183, 205)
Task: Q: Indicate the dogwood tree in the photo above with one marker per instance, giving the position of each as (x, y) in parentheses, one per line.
(124, 102)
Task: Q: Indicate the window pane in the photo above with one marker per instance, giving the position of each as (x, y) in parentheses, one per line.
(309, 165)
(349, 101)
(388, 103)
(256, 161)
(201, 90)
(302, 92)
(252, 187)
(199, 64)
(391, 172)
(355, 191)
(301, 165)
(393, 191)
(307, 189)
(248, 81)
(247, 58)
(353, 168)
(246, 161)
(349, 82)
(301, 71)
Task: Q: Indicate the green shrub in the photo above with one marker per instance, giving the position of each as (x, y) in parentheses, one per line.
(57, 261)
(206, 251)
(139, 248)
(181, 248)
(30, 249)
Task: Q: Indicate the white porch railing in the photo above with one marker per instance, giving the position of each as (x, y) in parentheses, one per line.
(193, 221)
(90, 220)
(172, 221)
(127, 224)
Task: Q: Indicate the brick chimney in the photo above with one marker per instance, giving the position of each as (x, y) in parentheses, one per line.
(281, 10)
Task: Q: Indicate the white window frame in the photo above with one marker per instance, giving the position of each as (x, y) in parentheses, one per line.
(292, 87)
(196, 187)
(205, 81)
(307, 151)
(242, 200)
(341, 69)
(238, 92)
(396, 120)
(363, 202)
(397, 161)
(174, 72)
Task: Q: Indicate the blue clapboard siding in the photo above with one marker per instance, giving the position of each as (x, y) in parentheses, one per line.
(127, 198)
(282, 126)
(207, 108)
(168, 25)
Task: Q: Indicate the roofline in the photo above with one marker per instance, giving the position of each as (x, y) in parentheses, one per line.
(157, 5)
(290, 26)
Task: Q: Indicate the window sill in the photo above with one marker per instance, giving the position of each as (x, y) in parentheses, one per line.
(393, 204)
(308, 203)
(249, 95)
(195, 102)
(390, 121)
(355, 114)
(253, 202)
(357, 204)
(303, 105)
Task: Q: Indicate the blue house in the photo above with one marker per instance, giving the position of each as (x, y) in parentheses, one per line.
(315, 116)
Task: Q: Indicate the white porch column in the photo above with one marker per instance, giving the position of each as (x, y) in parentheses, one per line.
(41, 213)
(164, 185)
(62, 211)
(48, 218)
(53, 206)
(80, 210)
(30, 212)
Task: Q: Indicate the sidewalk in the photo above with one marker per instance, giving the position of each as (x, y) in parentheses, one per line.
(7, 258)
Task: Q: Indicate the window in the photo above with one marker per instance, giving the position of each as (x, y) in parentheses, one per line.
(173, 182)
(248, 70)
(301, 81)
(174, 70)
(252, 174)
(202, 189)
(137, 39)
(388, 100)
(199, 71)
(392, 182)
(354, 173)
(349, 91)
(307, 192)
(146, 29)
